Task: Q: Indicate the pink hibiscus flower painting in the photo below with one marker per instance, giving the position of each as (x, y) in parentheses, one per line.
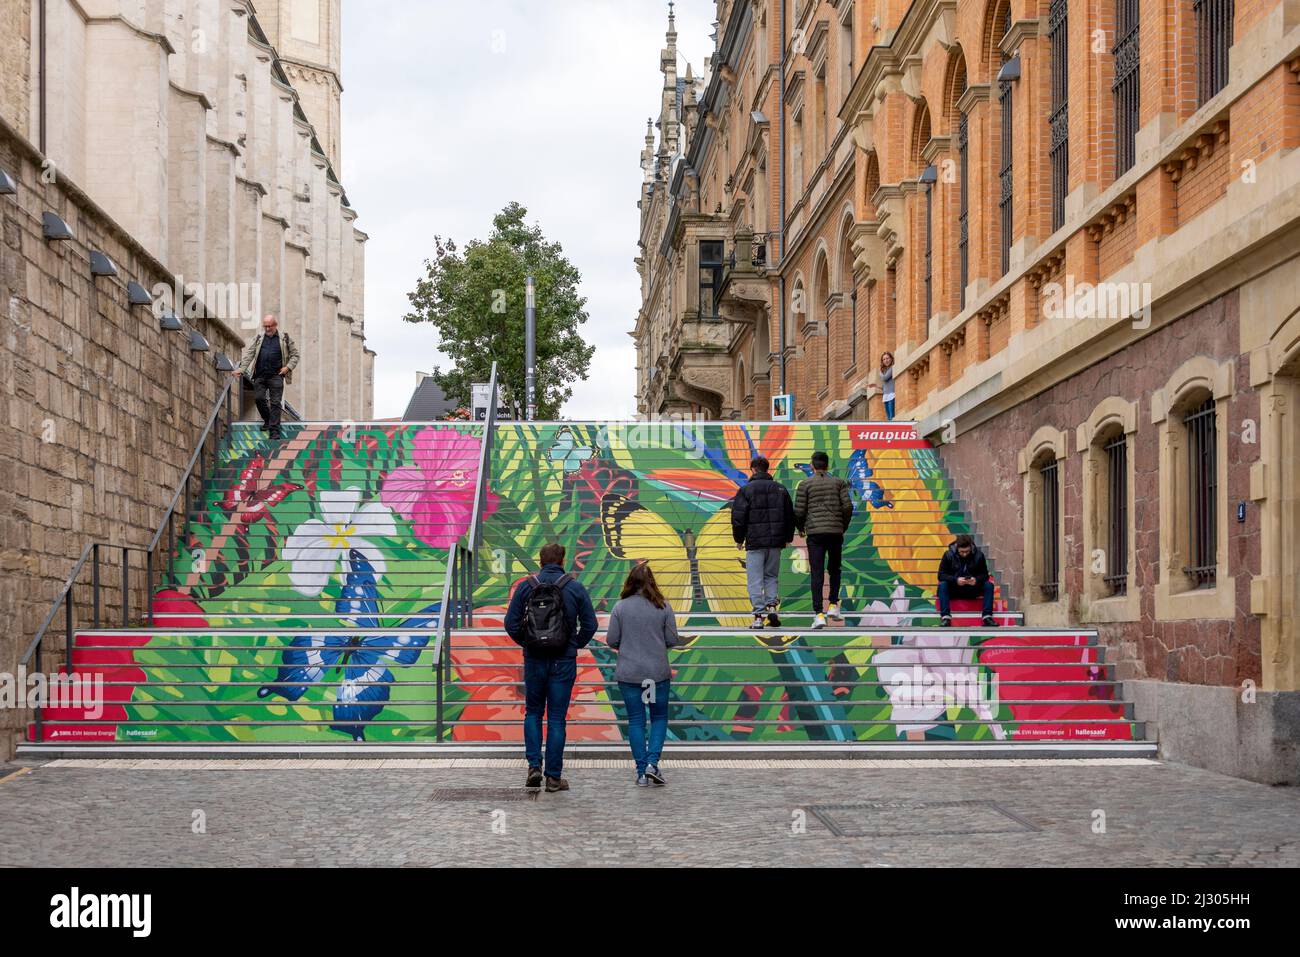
(437, 493)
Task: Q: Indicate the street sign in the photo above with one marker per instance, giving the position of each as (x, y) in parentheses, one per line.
(783, 408)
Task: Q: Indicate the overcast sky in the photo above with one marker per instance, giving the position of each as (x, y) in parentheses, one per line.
(452, 109)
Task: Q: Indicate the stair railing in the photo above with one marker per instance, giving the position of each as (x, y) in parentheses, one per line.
(91, 555)
(461, 579)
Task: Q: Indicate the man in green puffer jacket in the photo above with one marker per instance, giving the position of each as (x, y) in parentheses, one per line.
(822, 512)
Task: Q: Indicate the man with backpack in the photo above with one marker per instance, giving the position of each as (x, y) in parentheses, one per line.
(550, 617)
(762, 523)
(823, 510)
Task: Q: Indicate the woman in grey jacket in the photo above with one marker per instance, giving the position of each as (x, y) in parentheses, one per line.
(642, 627)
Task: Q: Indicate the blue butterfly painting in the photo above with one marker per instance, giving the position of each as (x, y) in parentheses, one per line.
(864, 489)
(360, 662)
(568, 453)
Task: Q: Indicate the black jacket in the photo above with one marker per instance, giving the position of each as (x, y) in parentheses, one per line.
(952, 566)
(762, 515)
(578, 610)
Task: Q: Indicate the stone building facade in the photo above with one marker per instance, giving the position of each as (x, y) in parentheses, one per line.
(175, 145)
(218, 153)
(1076, 225)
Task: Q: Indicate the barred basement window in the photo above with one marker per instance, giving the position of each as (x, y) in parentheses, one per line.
(1127, 84)
(1213, 38)
(711, 263)
(963, 209)
(1117, 514)
(1050, 517)
(1202, 488)
(1059, 118)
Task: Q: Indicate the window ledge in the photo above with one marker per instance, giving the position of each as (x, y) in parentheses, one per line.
(1113, 608)
(1216, 604)
(1048, 614)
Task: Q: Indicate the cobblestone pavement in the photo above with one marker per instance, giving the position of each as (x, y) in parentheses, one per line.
(739, 813)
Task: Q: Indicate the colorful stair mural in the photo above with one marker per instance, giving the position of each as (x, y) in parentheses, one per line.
(303, 602)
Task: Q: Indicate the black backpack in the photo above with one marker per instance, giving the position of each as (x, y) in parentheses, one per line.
(547, 630)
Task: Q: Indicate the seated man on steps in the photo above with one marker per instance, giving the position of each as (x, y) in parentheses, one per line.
(963, 573)
(550, 617)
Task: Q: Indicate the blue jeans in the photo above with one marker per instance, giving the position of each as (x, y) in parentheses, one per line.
(645, 754)
(948, 592)
(763, 576)
(548, 685)
(889, 409)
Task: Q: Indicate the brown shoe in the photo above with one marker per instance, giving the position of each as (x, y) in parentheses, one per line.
(534, 779)
(556, 784)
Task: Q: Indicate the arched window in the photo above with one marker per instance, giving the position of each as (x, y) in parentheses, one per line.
(849, 286)
(956, 87)
(1213, 39)
(821, 295)
(1126, 88)
(1041, 463)
(920, 137)
(1001, 26)
(1058, 118)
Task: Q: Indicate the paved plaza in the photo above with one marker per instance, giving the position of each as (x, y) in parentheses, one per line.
(432, 812)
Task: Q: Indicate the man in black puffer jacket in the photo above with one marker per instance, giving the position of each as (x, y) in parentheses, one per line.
(762, 522)
(963, 573)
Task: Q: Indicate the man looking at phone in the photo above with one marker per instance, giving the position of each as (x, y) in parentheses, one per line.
(963, 573)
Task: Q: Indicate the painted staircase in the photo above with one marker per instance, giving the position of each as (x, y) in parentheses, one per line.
(303, 604)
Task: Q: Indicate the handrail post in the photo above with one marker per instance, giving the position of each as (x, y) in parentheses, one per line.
(39, 724)
(126, 587)
(94, 584)
(148, 585)
(67, 647)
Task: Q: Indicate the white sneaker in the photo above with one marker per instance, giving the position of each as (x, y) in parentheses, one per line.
(819, 622)
(833, 613)
(758, 623)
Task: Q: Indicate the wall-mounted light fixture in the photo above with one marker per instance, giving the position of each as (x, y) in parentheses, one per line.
(101, 265)
(169, 323)
(223, 363)
(930, 175)
(7, 185)
(197, 342)
(54, 229)
(137, 295)
(1010, 70)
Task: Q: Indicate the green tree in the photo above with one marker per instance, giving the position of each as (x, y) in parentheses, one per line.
(475, 299)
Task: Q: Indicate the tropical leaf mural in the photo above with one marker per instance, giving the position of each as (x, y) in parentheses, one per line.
(315, 566)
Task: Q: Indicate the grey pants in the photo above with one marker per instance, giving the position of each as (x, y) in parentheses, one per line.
(762, 569)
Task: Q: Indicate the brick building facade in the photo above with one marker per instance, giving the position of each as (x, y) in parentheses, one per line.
(1076, 225)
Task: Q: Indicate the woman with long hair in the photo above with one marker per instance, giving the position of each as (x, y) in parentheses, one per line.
(642, 627)
(887, 383)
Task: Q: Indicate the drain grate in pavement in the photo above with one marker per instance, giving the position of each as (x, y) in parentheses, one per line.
(454, 795)
(919, 818)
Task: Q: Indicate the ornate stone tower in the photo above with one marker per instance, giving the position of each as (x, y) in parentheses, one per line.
(306, 34)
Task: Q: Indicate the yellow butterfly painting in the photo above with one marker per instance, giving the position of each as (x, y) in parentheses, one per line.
(634, 533)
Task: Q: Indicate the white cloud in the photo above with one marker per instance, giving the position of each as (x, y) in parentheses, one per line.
(440, 132)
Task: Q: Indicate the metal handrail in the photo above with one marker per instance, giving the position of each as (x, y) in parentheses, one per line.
(480, 492)
(91, 553)
(199, 458)
(461, 578)
(189, 469)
